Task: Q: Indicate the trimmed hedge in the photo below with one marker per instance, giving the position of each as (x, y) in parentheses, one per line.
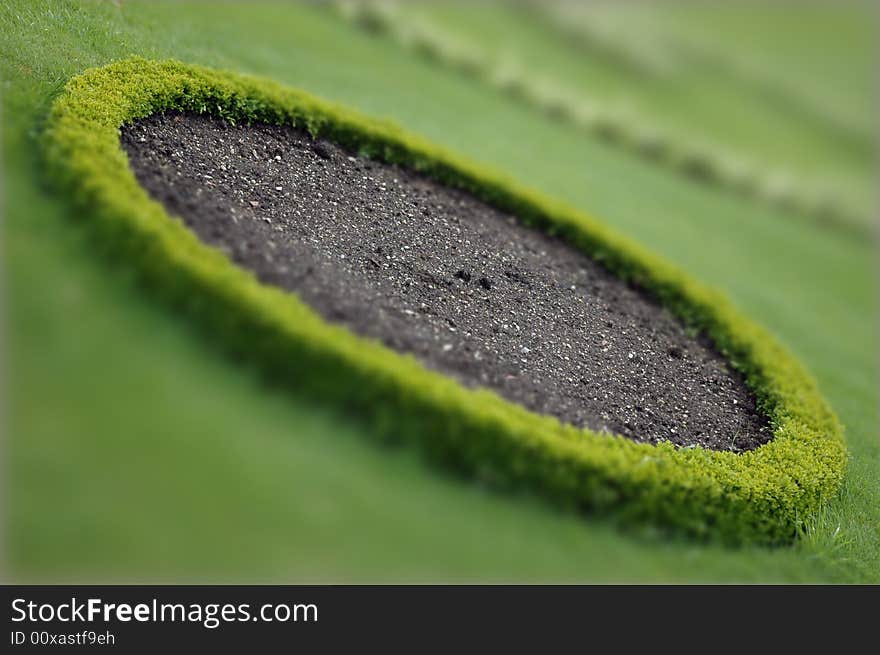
(764, 495)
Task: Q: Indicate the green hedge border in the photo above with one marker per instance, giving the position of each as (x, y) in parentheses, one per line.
(765, 495)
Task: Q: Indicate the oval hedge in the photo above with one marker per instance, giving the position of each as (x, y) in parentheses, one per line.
(764, 495)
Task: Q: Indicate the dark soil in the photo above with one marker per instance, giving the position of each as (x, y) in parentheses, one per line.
(434, 272)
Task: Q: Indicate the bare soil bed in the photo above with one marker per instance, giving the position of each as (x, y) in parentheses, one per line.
(436, 273)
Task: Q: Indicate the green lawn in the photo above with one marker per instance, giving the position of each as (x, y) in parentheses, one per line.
(134, 451)
(679, 77)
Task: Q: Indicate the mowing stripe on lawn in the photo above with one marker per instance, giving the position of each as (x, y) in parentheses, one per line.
(710, 166)
(575, 23)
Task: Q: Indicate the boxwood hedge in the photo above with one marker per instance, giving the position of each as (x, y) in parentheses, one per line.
(764, 495)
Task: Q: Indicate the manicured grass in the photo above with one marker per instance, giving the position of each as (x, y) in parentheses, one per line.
(158, 477)
(698, 97)
(824, 56)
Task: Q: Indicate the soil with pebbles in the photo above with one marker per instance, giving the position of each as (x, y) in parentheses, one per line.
(434, 272)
